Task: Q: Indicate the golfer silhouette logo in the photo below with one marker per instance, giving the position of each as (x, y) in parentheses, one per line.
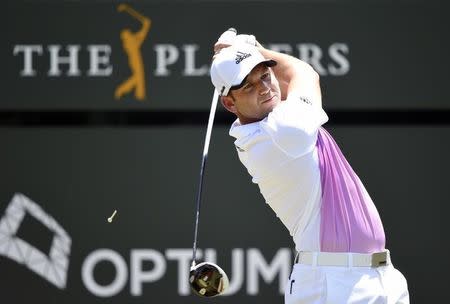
(131, 42)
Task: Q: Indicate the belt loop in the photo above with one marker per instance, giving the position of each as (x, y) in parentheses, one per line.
(314, 259)
(350, 260)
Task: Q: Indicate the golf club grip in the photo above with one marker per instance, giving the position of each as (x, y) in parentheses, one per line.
(212, 114)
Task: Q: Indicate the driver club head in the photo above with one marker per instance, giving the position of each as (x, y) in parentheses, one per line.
(208, 279)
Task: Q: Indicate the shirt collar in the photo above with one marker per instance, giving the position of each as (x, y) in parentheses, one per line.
(238, 130)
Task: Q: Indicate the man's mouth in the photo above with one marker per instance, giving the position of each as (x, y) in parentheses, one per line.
(269, 99)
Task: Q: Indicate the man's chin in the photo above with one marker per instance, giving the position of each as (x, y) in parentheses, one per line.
(270, 108)
(273, 102)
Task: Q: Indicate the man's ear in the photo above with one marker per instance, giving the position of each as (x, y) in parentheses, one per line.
(228, 103)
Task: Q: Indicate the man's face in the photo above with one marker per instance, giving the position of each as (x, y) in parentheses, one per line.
(257, 97)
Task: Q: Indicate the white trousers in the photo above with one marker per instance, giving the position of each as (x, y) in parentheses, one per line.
(340, 285)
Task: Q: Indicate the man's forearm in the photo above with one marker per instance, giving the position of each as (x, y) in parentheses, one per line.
(294, 74)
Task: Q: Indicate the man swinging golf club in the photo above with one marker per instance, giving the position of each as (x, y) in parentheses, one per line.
(304, 177)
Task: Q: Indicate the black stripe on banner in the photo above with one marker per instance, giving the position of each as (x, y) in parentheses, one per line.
(174, 118)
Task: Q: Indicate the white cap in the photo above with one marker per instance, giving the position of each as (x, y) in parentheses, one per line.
(233, 64)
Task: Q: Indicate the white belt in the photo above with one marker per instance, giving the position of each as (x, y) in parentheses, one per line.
(347, 259)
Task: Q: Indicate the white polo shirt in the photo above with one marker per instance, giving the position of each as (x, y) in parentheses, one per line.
(280, 154)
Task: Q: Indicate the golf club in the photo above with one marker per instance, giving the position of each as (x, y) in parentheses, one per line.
(207, 279)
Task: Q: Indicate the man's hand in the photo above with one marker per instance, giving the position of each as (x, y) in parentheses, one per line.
(248, 39)
(227, 39)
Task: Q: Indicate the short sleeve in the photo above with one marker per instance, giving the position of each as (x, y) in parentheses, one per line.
(293, 125)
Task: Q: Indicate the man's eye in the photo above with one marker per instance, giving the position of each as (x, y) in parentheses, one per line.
(248, 87)
(265, 75)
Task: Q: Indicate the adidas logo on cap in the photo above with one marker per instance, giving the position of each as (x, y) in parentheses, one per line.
(241, 56)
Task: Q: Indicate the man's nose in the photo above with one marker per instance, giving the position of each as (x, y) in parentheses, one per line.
(264, 87)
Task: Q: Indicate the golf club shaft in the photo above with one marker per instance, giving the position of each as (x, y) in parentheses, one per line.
(212, 113)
